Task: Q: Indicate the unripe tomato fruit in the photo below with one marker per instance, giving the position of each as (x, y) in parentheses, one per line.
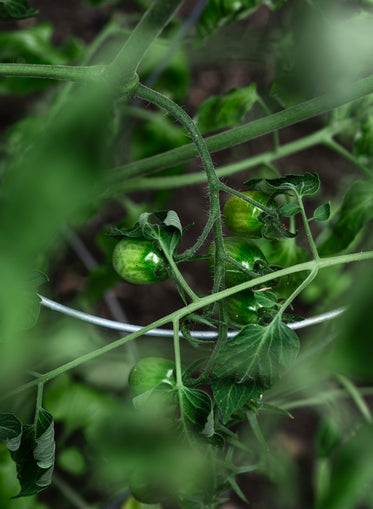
(285, 253)
(150, 372)
(243, 308)
(137, 261)
(245, 252)
(241, 217)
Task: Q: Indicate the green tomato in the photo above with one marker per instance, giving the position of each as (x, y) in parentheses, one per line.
(285, 253)
(244, 251)
(242, 308)
(241, 218)
(137, 261)
(150, 372)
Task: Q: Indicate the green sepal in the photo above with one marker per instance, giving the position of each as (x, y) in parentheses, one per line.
(163, 227)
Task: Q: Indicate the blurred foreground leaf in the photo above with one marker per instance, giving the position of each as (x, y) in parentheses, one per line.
(354, 214)
(351, 472)
(16, 9)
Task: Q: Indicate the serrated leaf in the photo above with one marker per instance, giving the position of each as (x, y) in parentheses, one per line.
(226, 110)
(303, 185)
(290, 209)
(196, 409)
(356, 211)
(44, 439)
(259, 354)
(230, 396)
(16, 9)
(35, 457)
(11, 430)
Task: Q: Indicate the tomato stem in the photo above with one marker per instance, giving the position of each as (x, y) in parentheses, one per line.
(307, 228)
(194, 306)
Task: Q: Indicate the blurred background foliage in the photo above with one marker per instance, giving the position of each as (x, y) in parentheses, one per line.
(57, 151)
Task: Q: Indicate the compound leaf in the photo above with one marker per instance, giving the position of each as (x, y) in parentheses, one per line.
(258, 354)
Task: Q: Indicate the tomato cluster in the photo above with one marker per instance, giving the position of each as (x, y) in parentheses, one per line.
(242, 219)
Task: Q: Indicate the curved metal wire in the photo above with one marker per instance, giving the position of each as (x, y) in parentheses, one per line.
(127, 327)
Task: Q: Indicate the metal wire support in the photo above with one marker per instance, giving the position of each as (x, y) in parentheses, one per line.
(127, 327)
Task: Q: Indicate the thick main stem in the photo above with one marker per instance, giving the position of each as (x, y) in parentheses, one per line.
(172, 181)
(246, 132)
(127, 61)
(81, 74)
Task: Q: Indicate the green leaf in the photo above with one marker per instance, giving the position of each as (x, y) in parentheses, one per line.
(219, 13)
(290, 209)
(356, 211)
(196, 409)
(35, 457)
(16, 9)
(44, 438)
(258, 354)
(303, 185)
(11, 430)
(322, 213)
(265, 299)
(226, 110)
(230, 396)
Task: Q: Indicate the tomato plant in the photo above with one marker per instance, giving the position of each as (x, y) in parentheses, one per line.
(101, 194)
